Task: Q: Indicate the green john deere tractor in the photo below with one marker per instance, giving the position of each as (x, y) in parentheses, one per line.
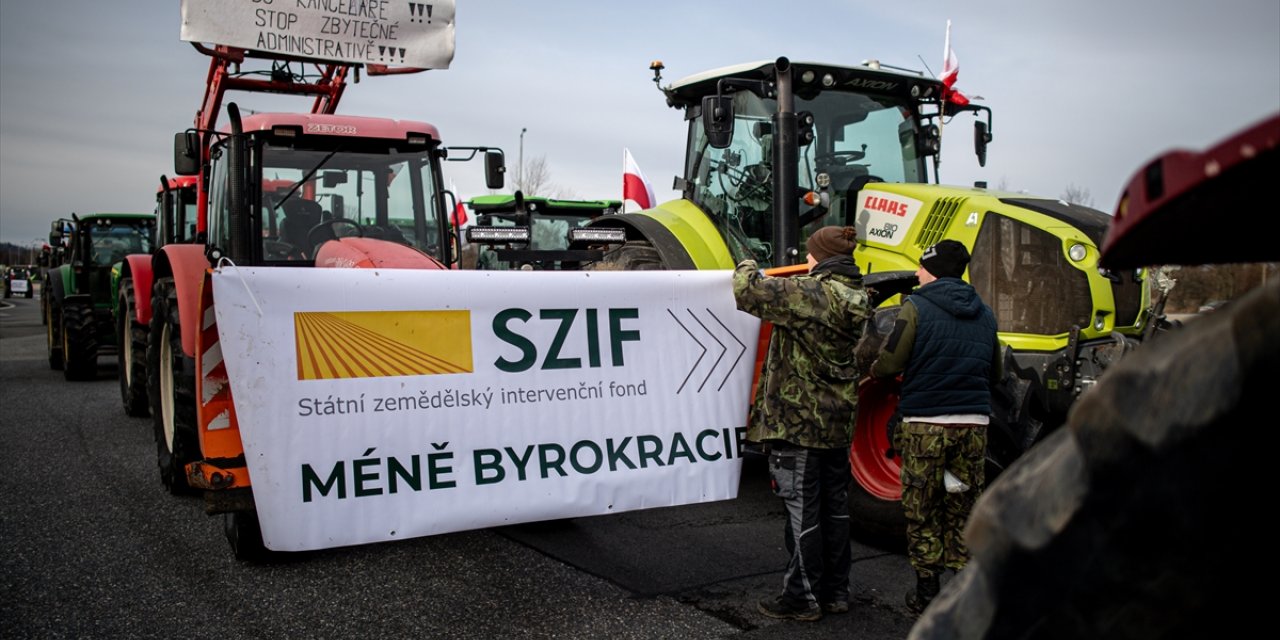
(78, 293)
(775, 150)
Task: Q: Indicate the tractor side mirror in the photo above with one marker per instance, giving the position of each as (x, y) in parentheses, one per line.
(337, 205)
(981, 136)
(494, 168)
(331, 179)
(717, 120)
(186, 153)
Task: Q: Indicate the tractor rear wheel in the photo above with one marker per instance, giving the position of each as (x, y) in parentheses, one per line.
(171, 390)
(131, 356)
(79, 342)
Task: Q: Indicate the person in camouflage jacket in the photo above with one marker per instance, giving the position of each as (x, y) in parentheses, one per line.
(803, 410)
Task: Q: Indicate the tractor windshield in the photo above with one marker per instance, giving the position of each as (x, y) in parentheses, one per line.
(857, 137)
(389, 196)
(111, 240)
(306, 196)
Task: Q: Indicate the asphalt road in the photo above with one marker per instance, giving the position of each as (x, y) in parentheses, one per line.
(92, 546)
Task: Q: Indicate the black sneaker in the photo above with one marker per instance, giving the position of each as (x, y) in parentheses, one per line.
(780, 608)
(837, 606)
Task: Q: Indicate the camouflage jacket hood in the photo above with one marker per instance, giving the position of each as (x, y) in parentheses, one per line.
(807, 390)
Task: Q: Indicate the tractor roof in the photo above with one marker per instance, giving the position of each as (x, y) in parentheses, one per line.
(484, 204)
(115, 216)
(1190, 208)
(869, 77)
(334, 125)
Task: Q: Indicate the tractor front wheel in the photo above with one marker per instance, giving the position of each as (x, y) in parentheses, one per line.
(79, 342)
(171, 390)
(244, 534)
(632, 256)
(132, 354)
(875, 496)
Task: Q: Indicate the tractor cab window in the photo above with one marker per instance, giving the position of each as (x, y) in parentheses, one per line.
(310, 196)
(109, 243)
(857, 138)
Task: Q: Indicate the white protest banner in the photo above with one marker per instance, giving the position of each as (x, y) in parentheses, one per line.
(386, 404)
(402, 34)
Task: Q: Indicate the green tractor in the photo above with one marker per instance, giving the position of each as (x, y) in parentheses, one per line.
(78, 293)
(776, 150)
(531, 233)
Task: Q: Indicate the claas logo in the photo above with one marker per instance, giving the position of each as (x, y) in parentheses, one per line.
(377, 344)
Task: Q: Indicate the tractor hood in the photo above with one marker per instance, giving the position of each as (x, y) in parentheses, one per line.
(369, 253)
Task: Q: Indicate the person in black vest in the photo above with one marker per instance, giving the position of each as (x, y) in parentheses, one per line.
(944, 344)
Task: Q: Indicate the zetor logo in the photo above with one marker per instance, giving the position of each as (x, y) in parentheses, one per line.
(375, 344)
(893, 207)
(331, 129)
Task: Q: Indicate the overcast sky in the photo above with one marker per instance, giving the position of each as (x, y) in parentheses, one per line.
(1083, 92)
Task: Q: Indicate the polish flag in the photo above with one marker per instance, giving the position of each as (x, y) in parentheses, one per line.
(634, 185)
(459, 216)
(950, 72)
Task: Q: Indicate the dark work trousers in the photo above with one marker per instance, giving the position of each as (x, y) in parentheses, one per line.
(814, 486)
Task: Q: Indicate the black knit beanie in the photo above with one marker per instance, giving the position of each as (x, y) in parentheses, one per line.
(947, 259)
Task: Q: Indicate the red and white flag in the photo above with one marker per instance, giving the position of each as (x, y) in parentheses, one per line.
(950, 72)
(634, 185)
(459, 215)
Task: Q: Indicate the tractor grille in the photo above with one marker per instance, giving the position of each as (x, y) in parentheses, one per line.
(1020, 272)
(939, 219)
(1128, 297)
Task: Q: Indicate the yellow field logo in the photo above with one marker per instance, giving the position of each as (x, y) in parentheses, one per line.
(377, 344)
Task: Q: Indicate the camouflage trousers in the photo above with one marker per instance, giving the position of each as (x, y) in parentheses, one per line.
(936, 518)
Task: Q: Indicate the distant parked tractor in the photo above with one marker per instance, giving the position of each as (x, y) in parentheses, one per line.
(518, 232)
(78, 296)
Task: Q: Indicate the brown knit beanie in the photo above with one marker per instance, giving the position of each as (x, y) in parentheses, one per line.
(832, 241)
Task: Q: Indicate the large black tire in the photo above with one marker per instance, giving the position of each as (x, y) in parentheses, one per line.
(53, 336)
(244, 534)
(632, 256)
(131, 356)
(1140, 517)
(171, 390)
(79, 342)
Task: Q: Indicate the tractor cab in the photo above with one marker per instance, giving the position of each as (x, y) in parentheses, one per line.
(845, 127)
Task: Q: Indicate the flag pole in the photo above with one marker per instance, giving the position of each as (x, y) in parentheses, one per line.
(942, 105)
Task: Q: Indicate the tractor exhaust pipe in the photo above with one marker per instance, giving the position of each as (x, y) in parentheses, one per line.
(238, 213)
(786, 179)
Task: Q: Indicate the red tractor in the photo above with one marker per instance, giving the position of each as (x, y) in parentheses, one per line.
(276, 189)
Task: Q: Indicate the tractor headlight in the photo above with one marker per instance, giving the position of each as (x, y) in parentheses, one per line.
(498, 235)
(1077, 252)
(598, 235)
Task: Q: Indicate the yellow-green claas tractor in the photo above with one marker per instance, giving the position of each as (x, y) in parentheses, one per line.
(776, 150)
